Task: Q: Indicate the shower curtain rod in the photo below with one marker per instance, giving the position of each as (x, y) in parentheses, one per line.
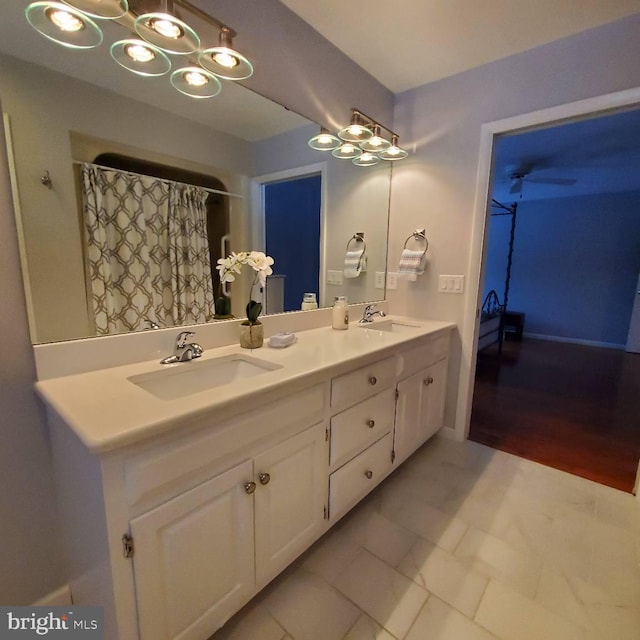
(165, 180)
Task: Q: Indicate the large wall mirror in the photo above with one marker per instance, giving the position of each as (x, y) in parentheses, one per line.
(63, 108)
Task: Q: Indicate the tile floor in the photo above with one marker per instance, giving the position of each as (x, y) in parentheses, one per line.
(464, 542)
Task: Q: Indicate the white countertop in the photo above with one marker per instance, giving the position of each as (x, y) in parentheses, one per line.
(107, 411)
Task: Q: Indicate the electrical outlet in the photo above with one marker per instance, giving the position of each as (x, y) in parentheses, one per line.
(334, 277)
(392, 280)
(379, 281)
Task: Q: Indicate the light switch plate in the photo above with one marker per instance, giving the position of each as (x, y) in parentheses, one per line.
(334, 277)
(392, 280)
(379, 282)
(451, 284)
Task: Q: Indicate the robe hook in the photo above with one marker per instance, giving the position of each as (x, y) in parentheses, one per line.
(46, 180)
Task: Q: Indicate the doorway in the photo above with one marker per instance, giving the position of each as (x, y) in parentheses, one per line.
(490, 132)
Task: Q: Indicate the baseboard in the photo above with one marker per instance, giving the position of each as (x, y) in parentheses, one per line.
(586, 343)
(61, 597)
(636, 486)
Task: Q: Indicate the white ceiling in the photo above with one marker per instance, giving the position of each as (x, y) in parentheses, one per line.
(407, 43)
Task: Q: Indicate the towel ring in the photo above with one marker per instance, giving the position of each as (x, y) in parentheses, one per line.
(420, 236)
(357, 237)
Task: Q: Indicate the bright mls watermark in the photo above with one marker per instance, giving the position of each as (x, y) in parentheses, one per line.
(20, 623)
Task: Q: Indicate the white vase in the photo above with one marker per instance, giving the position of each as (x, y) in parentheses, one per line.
(251, 336)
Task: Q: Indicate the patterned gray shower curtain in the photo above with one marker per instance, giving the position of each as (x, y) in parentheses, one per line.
(147, 251)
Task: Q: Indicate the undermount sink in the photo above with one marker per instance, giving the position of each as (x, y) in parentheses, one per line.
(390, 325)
(186, 378)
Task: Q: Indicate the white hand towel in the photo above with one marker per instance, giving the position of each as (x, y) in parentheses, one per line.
(411, 264)
(353, 263)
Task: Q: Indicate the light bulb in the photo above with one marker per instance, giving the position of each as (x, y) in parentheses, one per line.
(166, 28)
(225, 60)
(139, 53)
(325, 138)
(64, 20)
(195, 78)
(355, 130)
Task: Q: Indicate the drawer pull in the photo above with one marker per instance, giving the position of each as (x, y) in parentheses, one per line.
(369, 474)
(264, 478)
(371, 424)
(249, 487)
(373, 380)
(428, 381)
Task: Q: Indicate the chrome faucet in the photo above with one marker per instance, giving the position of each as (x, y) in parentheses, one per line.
(369, 314)
(183, 351)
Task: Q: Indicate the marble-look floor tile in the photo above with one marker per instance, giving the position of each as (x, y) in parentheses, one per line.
(615, 623)
(308, 608)
(441, 528)
(445, 576)
(438, 621)
(387, 596)
(254, 621)
(511, 616)
(329, 556)
(556, 593)
(366, 628)
(494, 558)
(379, 535)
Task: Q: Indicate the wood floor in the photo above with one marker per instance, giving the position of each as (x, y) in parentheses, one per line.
(567, 406)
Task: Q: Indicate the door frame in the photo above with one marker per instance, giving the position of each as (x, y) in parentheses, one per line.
(598, 105)
(256, 189)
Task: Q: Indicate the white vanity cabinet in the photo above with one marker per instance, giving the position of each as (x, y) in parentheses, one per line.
(199, 557)
(420, 396)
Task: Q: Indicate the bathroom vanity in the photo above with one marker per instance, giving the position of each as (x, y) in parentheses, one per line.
(185, 489)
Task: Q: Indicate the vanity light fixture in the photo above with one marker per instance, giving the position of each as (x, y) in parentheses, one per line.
(64, 24)
(356, 130)
(366, 151)
(196, 82)
(140, 57)
(325, 141)
(394, 152)
(347, 151)
(366, 159)
(108, 9)
(224, 60)
(69, 23)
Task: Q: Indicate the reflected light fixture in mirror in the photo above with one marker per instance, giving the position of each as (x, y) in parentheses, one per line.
(376, 143)
(347, 151)
(366, 159)
(394, 152)
(324, 141)
(161, 31)
(355, 131)
(64, 25)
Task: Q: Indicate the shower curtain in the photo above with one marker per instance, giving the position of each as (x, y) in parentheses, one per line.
(147, 251)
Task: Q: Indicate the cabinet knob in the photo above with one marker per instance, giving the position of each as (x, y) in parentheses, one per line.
(264, 478)
(371, 424)
(249, 487)
(428, 381)
(373, 380)
(369, 474)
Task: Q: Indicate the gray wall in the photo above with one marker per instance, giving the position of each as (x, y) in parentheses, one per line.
(435, 187)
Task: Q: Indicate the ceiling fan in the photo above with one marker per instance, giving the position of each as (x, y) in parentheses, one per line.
(523, 174)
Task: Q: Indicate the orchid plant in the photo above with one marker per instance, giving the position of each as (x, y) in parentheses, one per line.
(231, 266)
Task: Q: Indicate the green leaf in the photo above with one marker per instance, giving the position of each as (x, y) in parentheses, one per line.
(253, 311)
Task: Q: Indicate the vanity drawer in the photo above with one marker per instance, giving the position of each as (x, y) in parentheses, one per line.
(362, 383)
(357, 427)
(356, 478)
(424, 355)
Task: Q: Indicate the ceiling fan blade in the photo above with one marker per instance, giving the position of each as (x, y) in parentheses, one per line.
(516, 185)
(560, 181)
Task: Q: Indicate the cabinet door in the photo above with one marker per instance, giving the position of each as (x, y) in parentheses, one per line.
(193, 559)
(419, 409)
(290, 499)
